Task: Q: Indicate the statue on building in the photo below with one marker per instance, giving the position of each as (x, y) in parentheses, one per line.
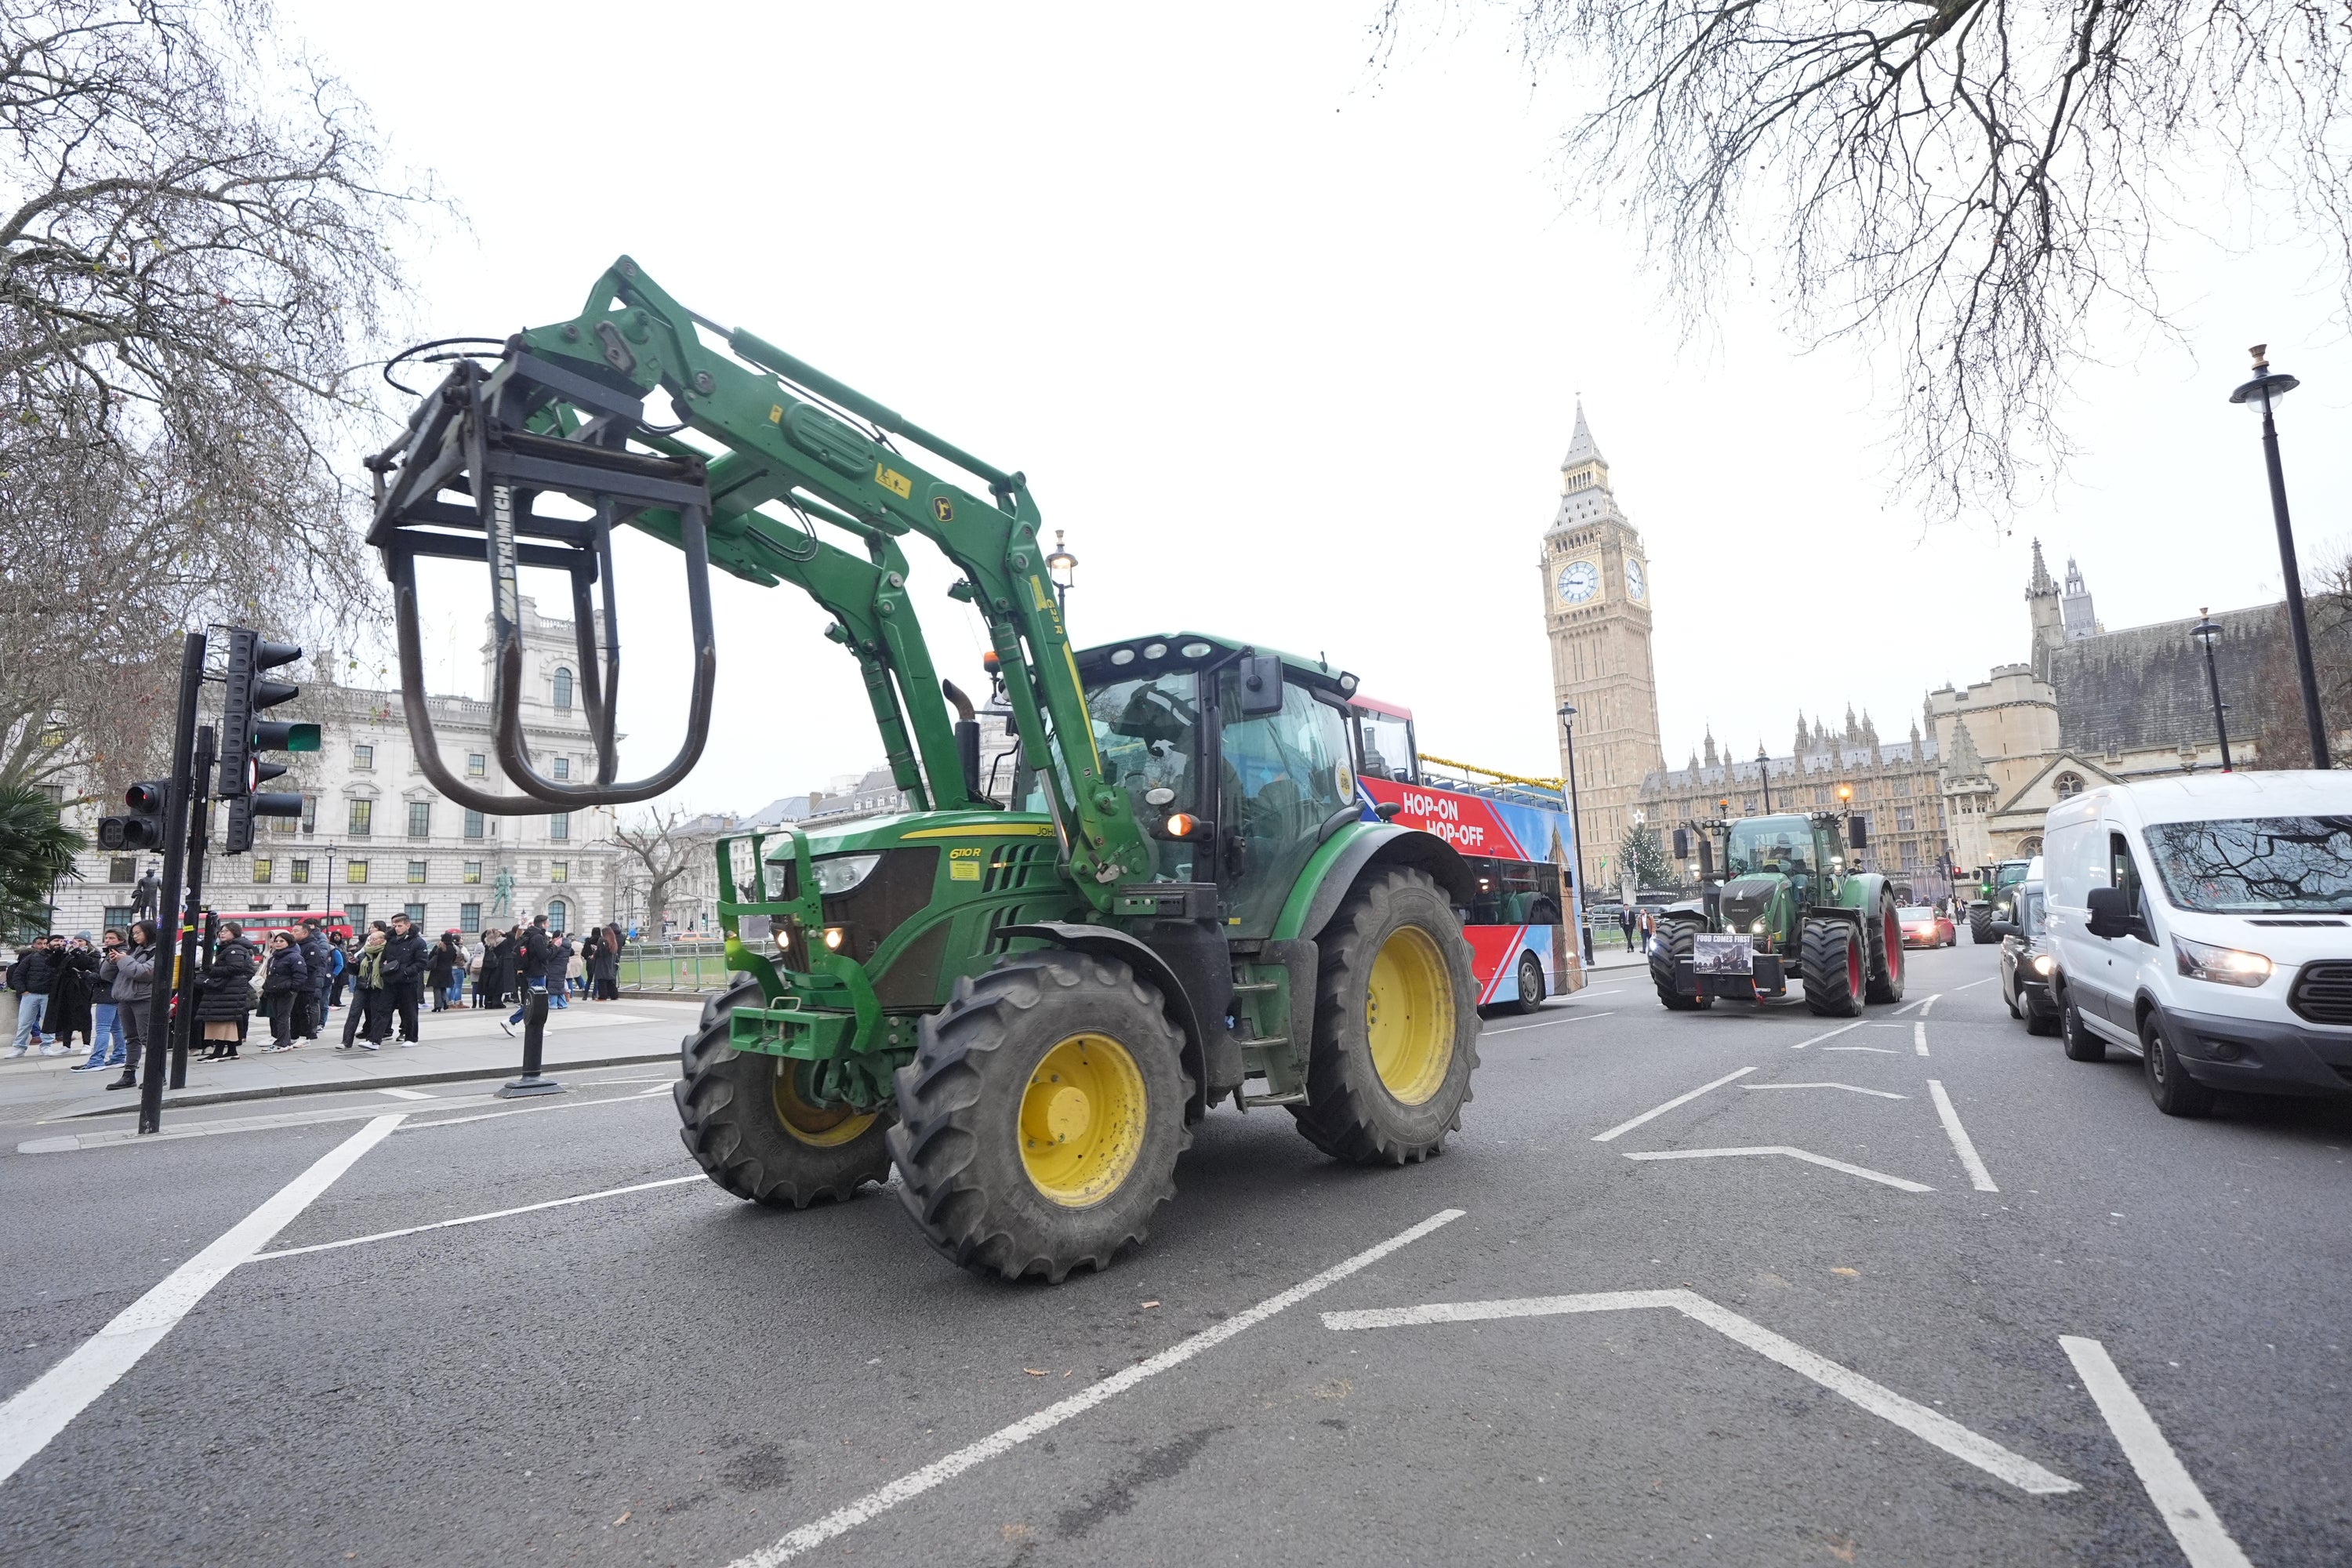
(144, 896)
(502, 891)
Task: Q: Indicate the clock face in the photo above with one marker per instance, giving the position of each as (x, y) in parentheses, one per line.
(1579, 580)
(1637, 586)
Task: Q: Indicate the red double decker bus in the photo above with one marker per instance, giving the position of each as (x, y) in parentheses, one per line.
(1517, 838)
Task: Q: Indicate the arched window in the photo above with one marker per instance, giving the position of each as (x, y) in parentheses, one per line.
(555, 918)
(2032, 846)
(562, 690)
(2069, 784)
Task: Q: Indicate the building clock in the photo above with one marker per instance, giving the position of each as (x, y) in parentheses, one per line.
(1637, 584)
(1579, 580)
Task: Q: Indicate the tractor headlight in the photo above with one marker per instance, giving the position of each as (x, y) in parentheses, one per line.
(1755, 928)
(2222, 966)
(834, 937)
(837, 874)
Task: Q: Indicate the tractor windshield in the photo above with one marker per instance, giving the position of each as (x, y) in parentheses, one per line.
(1761, 845)
(1146, 732)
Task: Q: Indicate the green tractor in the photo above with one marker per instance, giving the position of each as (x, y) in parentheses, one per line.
(1023, 1005)
(1784, 909)
(1995, 881)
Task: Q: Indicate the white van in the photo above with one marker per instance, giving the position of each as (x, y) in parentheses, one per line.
(2204, 924)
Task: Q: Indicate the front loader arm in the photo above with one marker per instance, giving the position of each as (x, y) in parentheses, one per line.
(794, 426)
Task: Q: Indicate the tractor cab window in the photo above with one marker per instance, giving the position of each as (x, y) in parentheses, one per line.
(1285, 774)
(1386, 746)
(1146, 732)
(1768, 845)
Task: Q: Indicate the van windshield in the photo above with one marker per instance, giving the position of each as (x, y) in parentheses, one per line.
(2256, 864)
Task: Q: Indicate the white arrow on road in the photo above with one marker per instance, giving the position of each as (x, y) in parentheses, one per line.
(1931, 1426)
(1864, 1172)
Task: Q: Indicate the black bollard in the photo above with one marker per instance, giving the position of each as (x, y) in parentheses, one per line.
(534, 1037)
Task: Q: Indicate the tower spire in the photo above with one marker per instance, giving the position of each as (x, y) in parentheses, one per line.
(1580, 446)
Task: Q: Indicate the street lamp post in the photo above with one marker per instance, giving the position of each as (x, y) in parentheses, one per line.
(2262, 395)
(2206, 632)
(1764, 771)
(1063, 567)
(1575, 814)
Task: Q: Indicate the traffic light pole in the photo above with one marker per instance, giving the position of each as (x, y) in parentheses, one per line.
(167, 903)
(200, 803)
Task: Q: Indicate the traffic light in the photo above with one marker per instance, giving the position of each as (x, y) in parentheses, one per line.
(143, 828)
(244, 735)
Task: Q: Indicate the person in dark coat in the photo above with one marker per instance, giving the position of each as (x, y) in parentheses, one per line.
(76, 988)
(134, 981)
(405, 958)
(536, 954)
(447, 959)
(605, 975)
(317, 963)
(225, 992)
(284, 984)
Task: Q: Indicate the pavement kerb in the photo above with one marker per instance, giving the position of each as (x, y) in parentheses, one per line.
(347, 1085)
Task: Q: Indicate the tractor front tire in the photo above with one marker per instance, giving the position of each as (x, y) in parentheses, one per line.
(1677, 939)
(1396, 1025)
(1041, 1118)
(1979, 925)
(1831, 961)
(747, 1125)
(1885, 983)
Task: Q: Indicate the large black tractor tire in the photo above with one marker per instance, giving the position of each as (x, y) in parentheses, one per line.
(1832, 962)
(1396, 1025)
(1041, 1118)
(745, 1122)
(1674, 943)
(1885, 981)
(1980, 925)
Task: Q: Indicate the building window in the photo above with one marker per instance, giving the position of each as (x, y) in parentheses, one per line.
(420, 819)
(298, 870)
(310, 815)
(555, 913)
(469, 918)
(473, 872)
(262, 868)
(363, 756)
(263, 909)
(415, 913)
(563, 767)
(558, 826)
(356, 872)
(477, 765)
(122, 868)
(2033, 844)
(416, 870)
(1747, 805)
(559, 871)
(1901, 819)
(2069, 784)
(355, 915)
(473, 825)
(119, 918)
(362, 815)
(562, 690)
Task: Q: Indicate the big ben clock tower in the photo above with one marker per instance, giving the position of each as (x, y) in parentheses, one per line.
(1596, 588)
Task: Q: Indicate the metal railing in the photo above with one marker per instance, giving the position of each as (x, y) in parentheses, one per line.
(685, 967)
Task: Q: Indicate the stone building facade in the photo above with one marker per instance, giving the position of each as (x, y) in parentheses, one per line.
(375, 838)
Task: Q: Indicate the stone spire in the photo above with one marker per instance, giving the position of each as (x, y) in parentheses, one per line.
(1711, 758)
(1581, 448)
(2043, 609)
(1853, 729)
(1963, 762)
(1804, 737)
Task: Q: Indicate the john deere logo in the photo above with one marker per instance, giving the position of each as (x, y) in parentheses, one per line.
(943, 509)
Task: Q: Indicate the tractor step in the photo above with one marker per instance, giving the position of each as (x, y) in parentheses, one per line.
(1248, 1101)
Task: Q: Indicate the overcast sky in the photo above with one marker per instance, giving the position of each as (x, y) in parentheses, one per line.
(1291, 347)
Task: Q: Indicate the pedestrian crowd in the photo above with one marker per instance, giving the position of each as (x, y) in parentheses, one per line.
(101, 994)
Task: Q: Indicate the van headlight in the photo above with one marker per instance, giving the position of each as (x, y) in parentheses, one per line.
(2222, 966)
(2039, 964)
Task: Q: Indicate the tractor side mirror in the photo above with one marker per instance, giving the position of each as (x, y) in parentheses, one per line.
(1682, 843)
(2111, 914)
(1857, 832)
(1706, 859)
(1261, 685)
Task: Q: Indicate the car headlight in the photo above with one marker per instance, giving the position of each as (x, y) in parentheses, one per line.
(2222, 966)
(838, 873)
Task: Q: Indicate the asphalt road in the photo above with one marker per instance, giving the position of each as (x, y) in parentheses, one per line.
(1850, 1353)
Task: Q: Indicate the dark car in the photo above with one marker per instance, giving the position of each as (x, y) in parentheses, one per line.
(2027, 964)
(1923, 927)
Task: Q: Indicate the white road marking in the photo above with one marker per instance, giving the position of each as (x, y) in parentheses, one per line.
(662, 1088)
(1918, 1039)
(1978, 1177)
(2186, 1513)
(1875, 1051)
(44, 1408)
(1925, 1007)
(1849, 1088)
(1928, 1425)
(916, 1482)
(474, 1218)
(1974, 984)
(114, 1137)
(1864, 1172)
(1833, 1034)
(1662, 1109)
(1573, 1018)
(406, 1093)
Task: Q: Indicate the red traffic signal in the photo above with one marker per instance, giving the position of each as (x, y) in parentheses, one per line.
(150, 802)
